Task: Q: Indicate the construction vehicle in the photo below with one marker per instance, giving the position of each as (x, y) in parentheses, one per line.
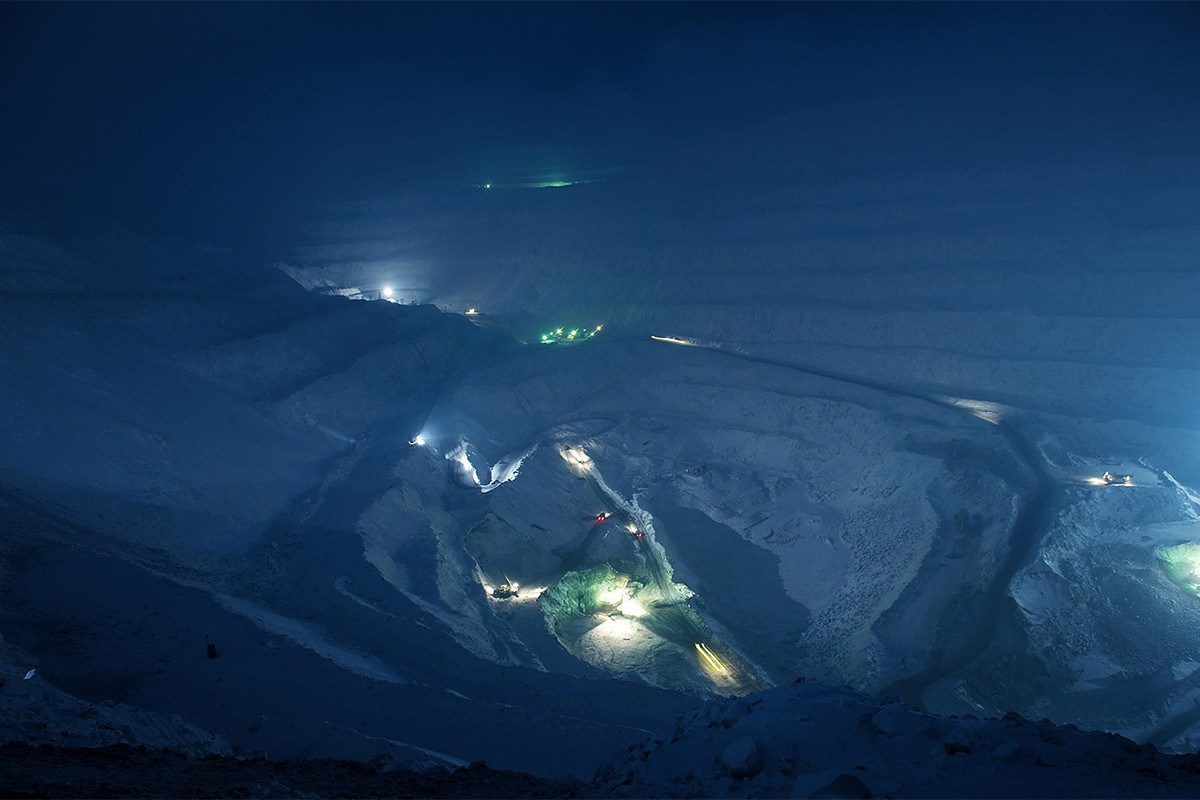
(506, 589)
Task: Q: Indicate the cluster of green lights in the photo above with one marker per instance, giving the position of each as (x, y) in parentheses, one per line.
(1182, 565)
(572, 335)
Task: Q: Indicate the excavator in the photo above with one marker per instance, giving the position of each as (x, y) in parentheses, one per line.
(1117, 480)
(506, 589)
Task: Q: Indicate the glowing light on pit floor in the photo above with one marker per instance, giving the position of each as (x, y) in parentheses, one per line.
(576, 457)
(471, 312)
(619, 594)
(418, 440)
(631, 608)
(711, 658)
(611, 596)
(673, 340)
(620, 629)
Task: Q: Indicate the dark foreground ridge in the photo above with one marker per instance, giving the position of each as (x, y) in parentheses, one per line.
(137, 771)
(807, 740)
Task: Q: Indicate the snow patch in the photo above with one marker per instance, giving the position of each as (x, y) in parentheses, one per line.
(310, 638)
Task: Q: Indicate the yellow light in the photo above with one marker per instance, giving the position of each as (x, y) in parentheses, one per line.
(631, 608)
(710, 657)
(610, 597)
(673, 340)
(576, 456)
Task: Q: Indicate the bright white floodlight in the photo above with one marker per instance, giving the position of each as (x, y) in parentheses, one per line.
(387, 292)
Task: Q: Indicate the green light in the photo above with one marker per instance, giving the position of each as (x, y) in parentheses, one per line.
(609, 596)
(562, 335)
(1182, 565)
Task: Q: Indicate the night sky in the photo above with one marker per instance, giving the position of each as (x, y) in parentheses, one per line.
(234, 124)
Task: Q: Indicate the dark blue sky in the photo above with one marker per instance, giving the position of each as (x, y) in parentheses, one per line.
(230, 123)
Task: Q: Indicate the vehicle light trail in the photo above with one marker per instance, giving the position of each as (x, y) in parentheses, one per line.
(711, 658)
